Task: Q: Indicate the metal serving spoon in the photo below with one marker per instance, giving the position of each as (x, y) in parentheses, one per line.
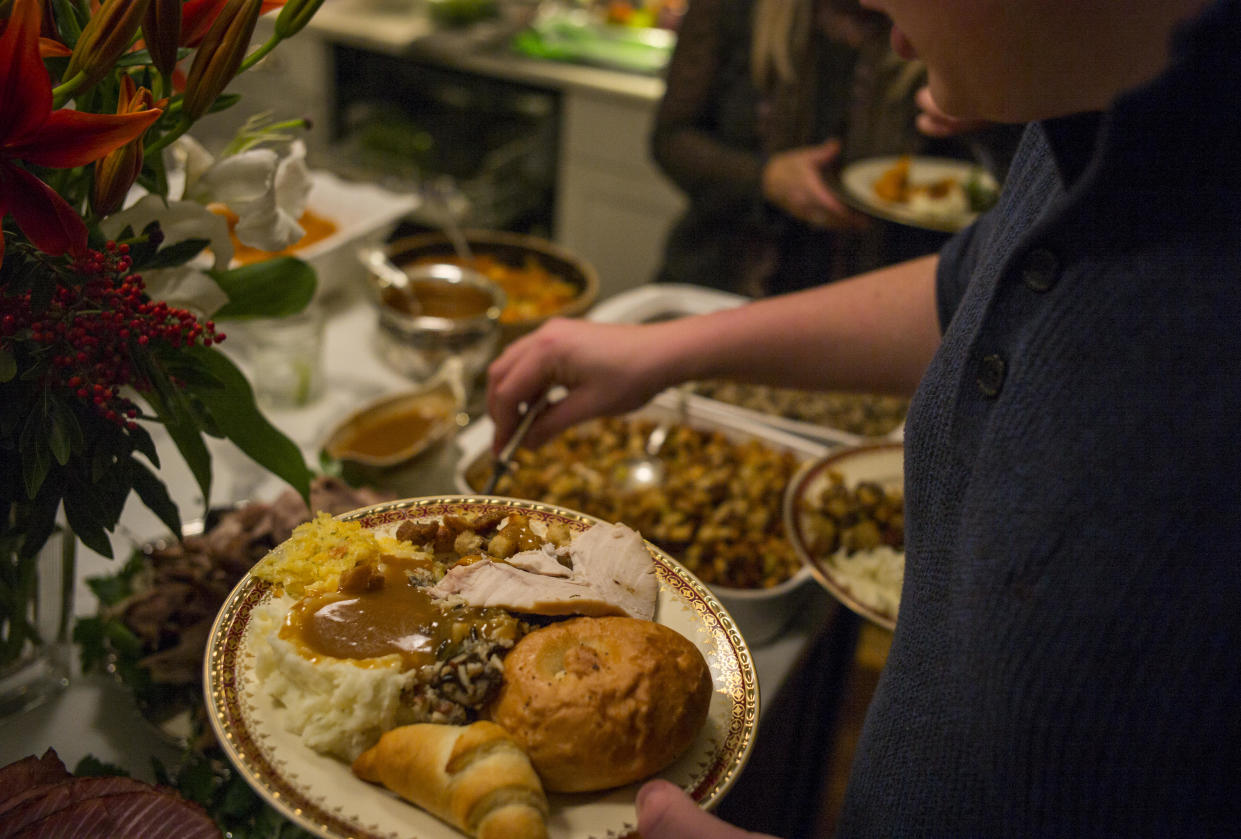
(648, 470)
(504, 461)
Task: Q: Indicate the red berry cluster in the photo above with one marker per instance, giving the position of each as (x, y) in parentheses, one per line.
(85, 340)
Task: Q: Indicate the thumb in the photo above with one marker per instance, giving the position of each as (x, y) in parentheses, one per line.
(666, 812)
(827, 151)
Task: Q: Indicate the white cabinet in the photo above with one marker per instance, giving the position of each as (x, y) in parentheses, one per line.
(613, 207)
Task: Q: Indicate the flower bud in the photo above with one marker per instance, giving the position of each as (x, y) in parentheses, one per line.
(219, 55)
(106, 35)
(161, 29)
(294, 17)
(116, 172)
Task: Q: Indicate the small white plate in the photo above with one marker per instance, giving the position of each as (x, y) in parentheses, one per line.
(883, 464)
(858, 182)
(322, 795)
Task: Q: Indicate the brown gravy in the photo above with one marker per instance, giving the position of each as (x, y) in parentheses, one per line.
(386, 434)
(377, 612)
(440, 299)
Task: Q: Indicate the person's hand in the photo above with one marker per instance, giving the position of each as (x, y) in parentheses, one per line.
(933, 122)
(666, 812)
(793, 181)
(606, 368)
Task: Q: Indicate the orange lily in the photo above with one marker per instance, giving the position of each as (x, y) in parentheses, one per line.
(32, 132)
(198, 15)
(117, 170)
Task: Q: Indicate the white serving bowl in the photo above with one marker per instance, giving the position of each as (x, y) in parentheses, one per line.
(760, 614)
(364, 214)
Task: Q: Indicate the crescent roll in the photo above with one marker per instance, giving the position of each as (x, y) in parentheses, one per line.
(475, 777)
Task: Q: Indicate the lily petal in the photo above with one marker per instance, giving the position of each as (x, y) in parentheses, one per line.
(74, 138)
(25, 88)
(237, 179)
(48, 221)
(264, 225)
(49, 48)
(178, 220)
(196, 18)
(293, 181)
(186, 287)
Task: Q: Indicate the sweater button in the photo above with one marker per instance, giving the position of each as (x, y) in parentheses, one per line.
(1039, 270)
(991, 375)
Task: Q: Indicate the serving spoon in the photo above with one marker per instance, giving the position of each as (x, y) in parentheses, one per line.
(504, 460)
(647, 470)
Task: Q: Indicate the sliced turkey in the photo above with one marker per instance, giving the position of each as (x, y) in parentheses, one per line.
(611, 574)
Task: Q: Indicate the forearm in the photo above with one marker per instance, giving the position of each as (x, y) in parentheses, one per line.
(876, 332)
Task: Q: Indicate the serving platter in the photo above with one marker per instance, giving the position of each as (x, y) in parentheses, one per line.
(321, 794)
(664, 301)
(857, 181)
(852, 583)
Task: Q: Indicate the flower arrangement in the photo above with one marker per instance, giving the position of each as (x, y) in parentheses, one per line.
(111, 307)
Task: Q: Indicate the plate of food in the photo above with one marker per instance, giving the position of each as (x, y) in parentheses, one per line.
(476, 666)
(845, 515)
(718, 511)
(934, 193)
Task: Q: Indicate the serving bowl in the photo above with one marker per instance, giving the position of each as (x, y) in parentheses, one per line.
(397, 427)
(359, 214)
(761, 611)
(436, 314)
(540, 279)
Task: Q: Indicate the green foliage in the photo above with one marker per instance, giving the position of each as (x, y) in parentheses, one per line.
(208, 780)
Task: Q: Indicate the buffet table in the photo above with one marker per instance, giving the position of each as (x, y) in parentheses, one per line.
(96, 716)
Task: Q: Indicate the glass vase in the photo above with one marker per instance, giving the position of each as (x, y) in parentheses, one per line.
(36, 596)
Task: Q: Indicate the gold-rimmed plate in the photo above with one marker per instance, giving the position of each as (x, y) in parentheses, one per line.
(857, 181)
(321, 794)
(869, 585)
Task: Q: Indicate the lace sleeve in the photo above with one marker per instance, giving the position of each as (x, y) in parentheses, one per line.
(707, 84)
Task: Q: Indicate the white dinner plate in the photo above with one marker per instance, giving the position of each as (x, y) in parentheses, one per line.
(322, 795)
(858, 182)
(883, 464)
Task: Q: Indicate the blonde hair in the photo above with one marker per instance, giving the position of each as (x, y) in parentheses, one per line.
(781, 30)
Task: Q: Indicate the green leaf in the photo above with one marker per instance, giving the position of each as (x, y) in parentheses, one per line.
(88, 635)
(272, 288)
(65, 13)
(170, 407)
(154, 495)
(8, 365)
(35, 459)
(233, 408)
(110, 590)
(141, 440)
(87, 518)
(92, 767)
(62, 426)
(175, 254)
(196, 781)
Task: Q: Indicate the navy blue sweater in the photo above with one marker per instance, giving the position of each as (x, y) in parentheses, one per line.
(1068, 656)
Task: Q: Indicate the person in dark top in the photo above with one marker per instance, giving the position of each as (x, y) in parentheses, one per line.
(763, 99)
(1067, 659)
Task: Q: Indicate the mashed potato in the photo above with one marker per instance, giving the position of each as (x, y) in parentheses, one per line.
(336, 706)
(874, 577)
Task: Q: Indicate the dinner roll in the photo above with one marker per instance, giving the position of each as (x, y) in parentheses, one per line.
(601, 702)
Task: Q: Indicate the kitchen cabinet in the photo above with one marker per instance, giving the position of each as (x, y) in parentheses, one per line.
(613, 207)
